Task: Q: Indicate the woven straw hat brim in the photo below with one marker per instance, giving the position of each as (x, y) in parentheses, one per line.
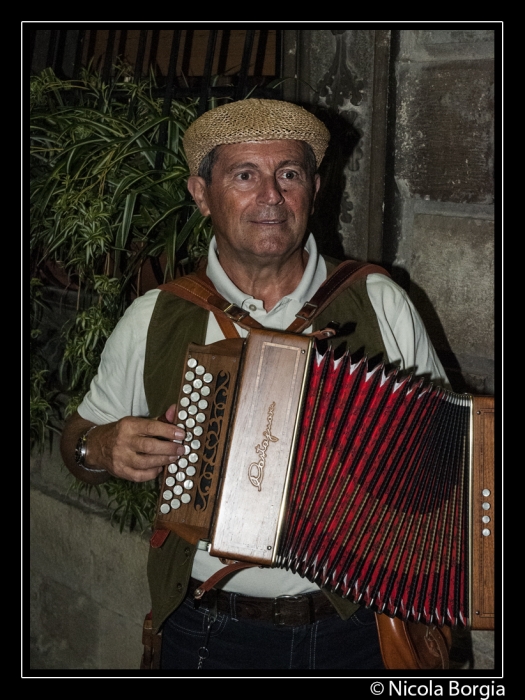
(253, 120)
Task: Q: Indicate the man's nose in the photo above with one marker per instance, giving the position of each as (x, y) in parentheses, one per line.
(269, 191)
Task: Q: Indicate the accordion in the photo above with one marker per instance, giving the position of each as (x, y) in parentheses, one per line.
(376, 485)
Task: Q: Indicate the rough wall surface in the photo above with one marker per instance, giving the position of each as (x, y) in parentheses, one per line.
(440, 225)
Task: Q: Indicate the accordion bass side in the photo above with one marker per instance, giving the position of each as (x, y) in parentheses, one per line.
(376, 485)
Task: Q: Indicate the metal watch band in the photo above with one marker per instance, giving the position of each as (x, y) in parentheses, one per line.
(81, 450)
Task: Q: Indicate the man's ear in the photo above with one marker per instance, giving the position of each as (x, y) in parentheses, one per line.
(197, 188)
(317, 184)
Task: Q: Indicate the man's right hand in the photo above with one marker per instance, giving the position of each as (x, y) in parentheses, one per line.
(131, 448)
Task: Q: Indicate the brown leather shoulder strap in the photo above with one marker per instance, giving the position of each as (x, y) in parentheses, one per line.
(199, 289)
(342, 277)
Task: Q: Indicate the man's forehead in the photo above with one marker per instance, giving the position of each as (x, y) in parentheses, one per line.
(278, 151)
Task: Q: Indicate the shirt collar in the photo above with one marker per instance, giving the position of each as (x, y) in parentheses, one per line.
(314, 275)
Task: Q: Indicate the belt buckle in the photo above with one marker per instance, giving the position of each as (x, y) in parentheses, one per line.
(277, 614)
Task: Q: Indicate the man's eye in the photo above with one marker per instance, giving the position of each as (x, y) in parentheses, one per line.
(289, 174)
(243, 176)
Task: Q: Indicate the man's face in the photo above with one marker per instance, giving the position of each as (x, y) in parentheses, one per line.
(259, 199)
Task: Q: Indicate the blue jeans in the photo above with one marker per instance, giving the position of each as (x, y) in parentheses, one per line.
(330, 643)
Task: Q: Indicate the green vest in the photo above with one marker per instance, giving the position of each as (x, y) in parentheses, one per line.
(174, 324)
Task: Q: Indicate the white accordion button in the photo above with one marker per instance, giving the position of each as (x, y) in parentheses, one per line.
(165, 508)
(187, 389)
(203, 404)
(183, 462)
(485, 532)
(175, 504)
(208, 377)
(195, 444)
(188, 484)
(198, 430)
(193, 458)
(197, 383)
(485, 492)
(195, 396)
(486, 519)
(180, 476)
(190, 471)
(170, 481)
(182, 415)
(185, 498)
(200, 417)
(189, 376)
(167, 495)
(184, 402)
(199, 370)
(178, 490)
(172, 468)
(190, 423)
(485, 506)
(192, 362)
(205, 391)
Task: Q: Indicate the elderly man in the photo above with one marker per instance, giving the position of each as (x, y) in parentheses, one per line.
(253, 169)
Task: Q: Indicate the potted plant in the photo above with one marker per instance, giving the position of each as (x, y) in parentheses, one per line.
(108, 208)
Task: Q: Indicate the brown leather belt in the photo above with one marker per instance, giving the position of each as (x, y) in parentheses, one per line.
(289, 610)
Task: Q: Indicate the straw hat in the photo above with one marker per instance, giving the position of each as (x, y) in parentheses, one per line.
(253, 120)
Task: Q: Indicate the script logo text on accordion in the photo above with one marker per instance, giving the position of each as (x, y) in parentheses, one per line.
(256, 469)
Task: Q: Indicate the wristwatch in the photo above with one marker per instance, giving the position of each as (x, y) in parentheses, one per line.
(81, 451)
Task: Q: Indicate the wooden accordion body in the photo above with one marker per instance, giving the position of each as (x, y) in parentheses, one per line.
(375, 485)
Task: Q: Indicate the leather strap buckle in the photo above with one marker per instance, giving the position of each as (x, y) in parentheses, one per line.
(307, 312)
(235, 313)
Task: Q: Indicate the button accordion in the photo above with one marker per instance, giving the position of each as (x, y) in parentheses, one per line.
(376, 485)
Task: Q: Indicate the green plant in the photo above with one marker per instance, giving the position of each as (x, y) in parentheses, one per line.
(107, 195)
